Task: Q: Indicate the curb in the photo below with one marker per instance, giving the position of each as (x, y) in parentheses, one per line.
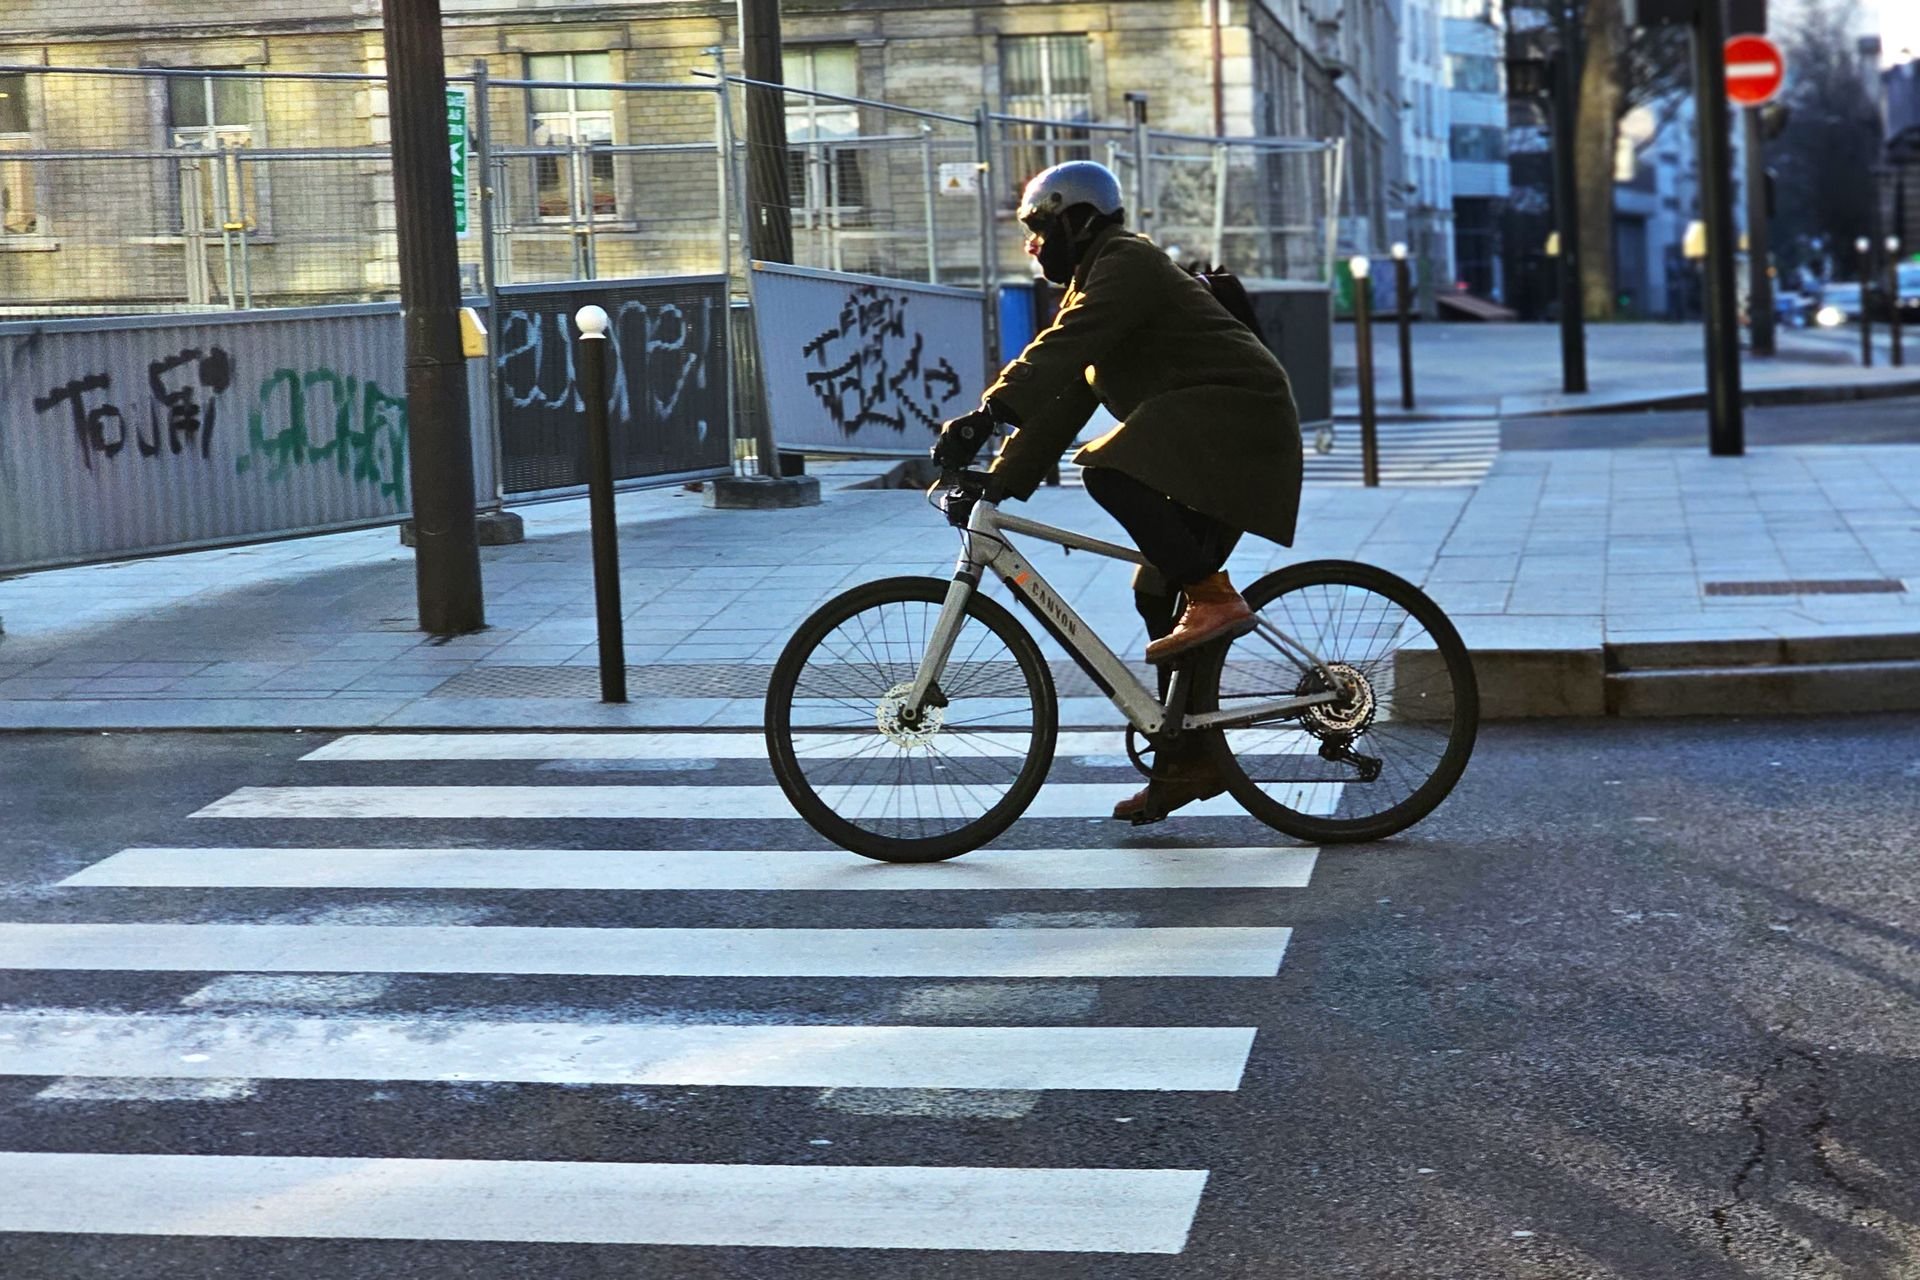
(1815, 675)
(1754, 397)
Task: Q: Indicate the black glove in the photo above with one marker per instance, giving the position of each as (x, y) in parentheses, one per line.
(962, 438)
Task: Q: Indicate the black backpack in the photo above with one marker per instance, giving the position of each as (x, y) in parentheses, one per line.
(1229, 293)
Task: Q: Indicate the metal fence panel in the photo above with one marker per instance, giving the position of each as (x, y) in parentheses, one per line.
(863, 365)
(668, 401)
(135, 435)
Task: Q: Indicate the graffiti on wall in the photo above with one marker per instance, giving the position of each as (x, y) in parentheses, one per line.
(872, 372)
(667, 381)
(320, 418)
(655, 352)
(314, 417)
(184, 410)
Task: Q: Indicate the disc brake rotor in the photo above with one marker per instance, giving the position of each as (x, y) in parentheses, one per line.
(896, 726)
(1350, 715)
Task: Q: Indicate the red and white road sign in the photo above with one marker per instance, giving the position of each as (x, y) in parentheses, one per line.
(1755, 69)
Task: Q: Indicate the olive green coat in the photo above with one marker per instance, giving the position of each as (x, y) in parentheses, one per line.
(1206, 414)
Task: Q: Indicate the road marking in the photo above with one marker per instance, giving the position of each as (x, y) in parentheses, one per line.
(778, 1206)
(1061, 800)
(672, 746)
(693, 870)
(860, 1057)
(731, 953)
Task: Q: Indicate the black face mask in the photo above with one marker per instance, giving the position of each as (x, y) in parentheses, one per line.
(1058, 255)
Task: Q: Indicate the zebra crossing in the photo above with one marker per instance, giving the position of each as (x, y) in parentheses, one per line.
(1426, 453)
(300, 992)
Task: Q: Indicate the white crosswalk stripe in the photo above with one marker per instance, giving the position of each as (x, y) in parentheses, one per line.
(76, 1044)
(788, 1206)
(1411, 453)
(1219, 952)
(735, 870)
(248, 1025)
(1056, 800)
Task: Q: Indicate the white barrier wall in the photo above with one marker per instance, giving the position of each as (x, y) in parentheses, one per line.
(863, 365)
(125, 435)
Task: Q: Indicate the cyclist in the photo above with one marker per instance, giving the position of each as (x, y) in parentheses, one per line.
(1208, 444)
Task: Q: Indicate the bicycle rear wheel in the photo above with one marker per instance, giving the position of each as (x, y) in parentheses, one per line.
(1376, 761)
(871, 782)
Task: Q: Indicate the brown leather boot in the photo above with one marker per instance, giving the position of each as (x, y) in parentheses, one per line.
(1187, 774)
(1215, 611)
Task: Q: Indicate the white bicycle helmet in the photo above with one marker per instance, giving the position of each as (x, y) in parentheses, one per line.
(1054, 191)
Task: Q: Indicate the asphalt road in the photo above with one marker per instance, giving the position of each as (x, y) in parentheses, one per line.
(1893, 421)
(1641, 1000)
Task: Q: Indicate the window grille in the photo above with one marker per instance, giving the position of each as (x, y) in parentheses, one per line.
(1047, 78)
(564, 117)
(823, 172)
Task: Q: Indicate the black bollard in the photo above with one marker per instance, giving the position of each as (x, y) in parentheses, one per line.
(1897, 356)
(1865, 246)
(1403, 297)
(1363, 343)
(592, 372)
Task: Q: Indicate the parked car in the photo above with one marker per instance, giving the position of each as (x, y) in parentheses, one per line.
(1840, 302)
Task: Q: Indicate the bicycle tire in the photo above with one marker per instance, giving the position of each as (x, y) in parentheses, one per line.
(1462, 719)
(817, 810)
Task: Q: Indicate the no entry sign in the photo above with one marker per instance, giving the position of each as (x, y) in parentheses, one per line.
(1755, 69)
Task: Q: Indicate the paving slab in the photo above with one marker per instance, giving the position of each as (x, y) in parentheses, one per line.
(1564, 569)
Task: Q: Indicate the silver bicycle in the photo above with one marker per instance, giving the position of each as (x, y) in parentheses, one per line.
(913, 719)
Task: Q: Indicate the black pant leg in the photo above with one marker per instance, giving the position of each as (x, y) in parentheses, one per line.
(1159, 526)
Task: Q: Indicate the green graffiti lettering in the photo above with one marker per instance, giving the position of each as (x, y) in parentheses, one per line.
(281, 436)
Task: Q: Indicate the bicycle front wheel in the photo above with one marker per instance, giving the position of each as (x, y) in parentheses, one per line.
(874, 783)
(1379, 758)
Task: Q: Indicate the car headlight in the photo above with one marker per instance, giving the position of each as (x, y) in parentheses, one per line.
(1829, 316)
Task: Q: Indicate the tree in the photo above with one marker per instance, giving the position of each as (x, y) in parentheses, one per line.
(1826, 155)
(1619, 70)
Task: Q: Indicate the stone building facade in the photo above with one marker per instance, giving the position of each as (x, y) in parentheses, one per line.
(108, 200)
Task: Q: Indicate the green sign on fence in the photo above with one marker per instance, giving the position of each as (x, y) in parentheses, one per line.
(457, 147)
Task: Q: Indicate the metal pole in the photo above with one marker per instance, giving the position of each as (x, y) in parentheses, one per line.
(1759, 240)
(989, 244)
(1897, 357)
(489, 267)
(765, 453)
(1363, 342)
(1403, 290)
(1142, 163)
(1566, 200)
(440, 444)
(1726, 431)
(723, 178)
(1220, 171)
(768, 198)
(592, 360)
(930, 198)
(1866, 311)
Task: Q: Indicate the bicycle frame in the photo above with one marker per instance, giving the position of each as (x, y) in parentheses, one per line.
(985, 546)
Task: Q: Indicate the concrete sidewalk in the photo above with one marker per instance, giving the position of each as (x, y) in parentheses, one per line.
(1587, 581)
(1513, 370)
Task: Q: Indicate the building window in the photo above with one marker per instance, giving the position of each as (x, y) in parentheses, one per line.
(571, 118)
(1048, 79)
(1479, 143)
(1475, 73)
(823, 162)
(215, 114)
(19, 202)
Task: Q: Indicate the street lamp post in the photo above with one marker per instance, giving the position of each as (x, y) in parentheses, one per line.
(1553, 85)
(1363, 343)
(1403, 301)
(1864, 247)
(440, 441)
(1898, 357)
